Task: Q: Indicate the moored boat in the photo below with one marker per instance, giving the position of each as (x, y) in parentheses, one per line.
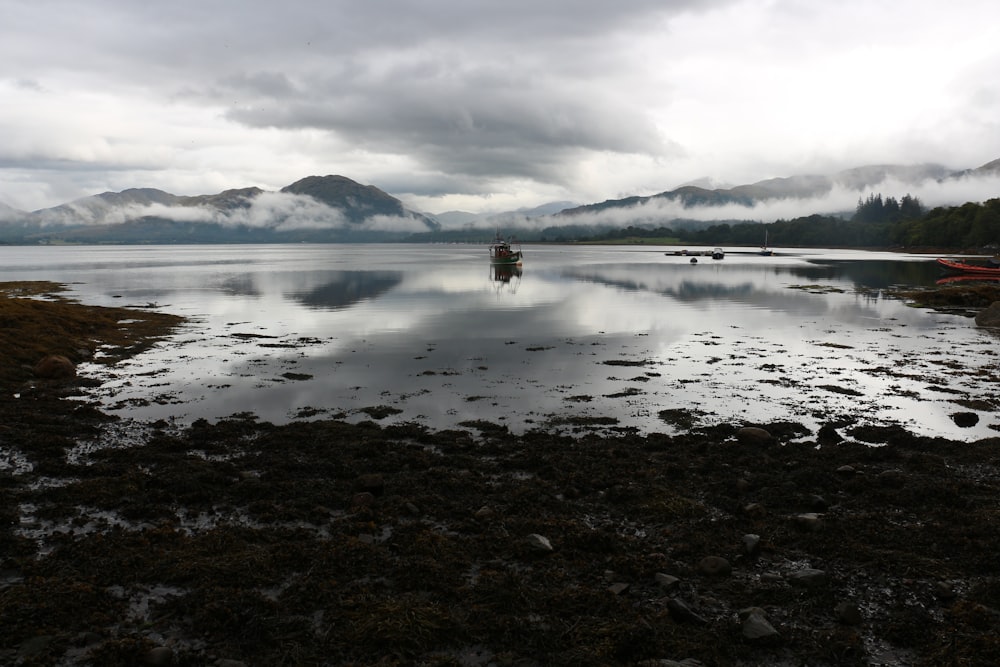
(501, 252)
(964, 267)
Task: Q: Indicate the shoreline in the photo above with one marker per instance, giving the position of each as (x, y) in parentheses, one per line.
(323, 542)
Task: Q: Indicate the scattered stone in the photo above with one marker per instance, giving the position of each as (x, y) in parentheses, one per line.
(818, 503)
(989, 316)
(363, 499)
(373, 484)
(539, 542)
(682, 613)
(618, 588)
(667, 581)
(807, 577)
(161, 655)
(754, 510)
(751, 545)
(755, 624)
(33, 647)
(848, 613)
(846, 470)
(809, 521)
(55, 367)
(715, 566)
(228, 662)
(743, 485)
(965, 419)
(945, 591)
(828, 435)
(753, 435)
(892, 478)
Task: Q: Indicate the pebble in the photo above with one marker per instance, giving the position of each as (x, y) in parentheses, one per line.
(161, 655)
(753, 435)
(715, 566)
(807, 577)
(539, 542)
(667, 581)
(755, 624)
(848, 613)
(751, 545)
(681, 612)
(810, 521)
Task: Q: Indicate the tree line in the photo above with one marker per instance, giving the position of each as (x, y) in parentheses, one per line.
(877, 222)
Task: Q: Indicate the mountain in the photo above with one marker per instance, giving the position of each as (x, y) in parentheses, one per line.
(315, 209)
(323, 209)
(860, 179)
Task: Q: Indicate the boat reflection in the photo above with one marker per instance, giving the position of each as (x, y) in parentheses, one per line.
(505, 277)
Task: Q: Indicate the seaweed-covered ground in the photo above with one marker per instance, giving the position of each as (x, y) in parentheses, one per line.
(322, 542)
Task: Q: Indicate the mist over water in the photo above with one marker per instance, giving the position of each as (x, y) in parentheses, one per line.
(434, 334)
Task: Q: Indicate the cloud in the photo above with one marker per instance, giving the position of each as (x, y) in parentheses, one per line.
(485, 106)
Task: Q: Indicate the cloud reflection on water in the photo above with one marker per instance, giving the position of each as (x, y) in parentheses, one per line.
(430, 331)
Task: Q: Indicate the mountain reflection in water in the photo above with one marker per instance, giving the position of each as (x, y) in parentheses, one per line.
(434, 334)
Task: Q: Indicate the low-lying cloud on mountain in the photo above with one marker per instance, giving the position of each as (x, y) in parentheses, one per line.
(334, 208)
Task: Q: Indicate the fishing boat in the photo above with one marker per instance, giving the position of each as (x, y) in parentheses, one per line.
(501, 252)
(963, 267)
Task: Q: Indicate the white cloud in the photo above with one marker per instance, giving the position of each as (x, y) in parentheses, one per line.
(485, 106)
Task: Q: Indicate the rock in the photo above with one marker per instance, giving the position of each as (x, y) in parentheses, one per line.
(828, 435)
(539, 542)
(715, 566)
(848, 613)
(667, 581)
(34, 647)
(363, 499)
(753, 435)
(945, 591)
(618, 588)
(161, 655)
(809, 522)
(807, 578)
(228, 662)
(755, 624)
(754, 510)
(846, 470)
(965, 419)
(751, 545)
(818, 503)
(373, 484)
(55, 367)
(990, 316)
(682, 613)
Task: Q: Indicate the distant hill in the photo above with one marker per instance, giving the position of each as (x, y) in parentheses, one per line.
(315, 209)
(331, 208)
(794, 187)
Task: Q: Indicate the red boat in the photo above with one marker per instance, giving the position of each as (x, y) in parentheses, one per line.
(962, 267)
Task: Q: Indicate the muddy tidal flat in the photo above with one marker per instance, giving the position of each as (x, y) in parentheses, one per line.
(240, 542)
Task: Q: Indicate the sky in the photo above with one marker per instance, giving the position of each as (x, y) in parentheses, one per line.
(486, 106)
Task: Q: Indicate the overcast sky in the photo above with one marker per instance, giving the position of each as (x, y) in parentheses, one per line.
(485, 106)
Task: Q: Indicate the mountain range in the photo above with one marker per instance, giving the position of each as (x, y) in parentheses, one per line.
(338, 209)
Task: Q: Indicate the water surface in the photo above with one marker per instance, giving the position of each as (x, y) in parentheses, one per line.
(619, 334)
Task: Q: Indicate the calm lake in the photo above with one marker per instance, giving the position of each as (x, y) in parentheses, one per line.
(433, 334)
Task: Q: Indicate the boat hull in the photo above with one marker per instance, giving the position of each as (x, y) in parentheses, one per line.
(510, 260)
(963, 268)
